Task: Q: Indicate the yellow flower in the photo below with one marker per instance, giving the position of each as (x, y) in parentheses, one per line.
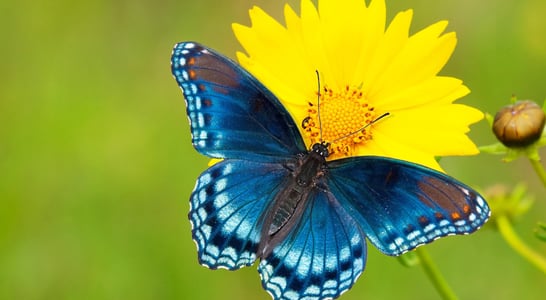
(365, 71)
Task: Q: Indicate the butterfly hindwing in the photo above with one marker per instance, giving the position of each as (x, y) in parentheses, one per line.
(225, 210)
(321, 257)
(232, 115)
(400, 205)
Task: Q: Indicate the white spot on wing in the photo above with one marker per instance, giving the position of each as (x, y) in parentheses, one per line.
(480, 201)
(278, 284)
(344, 253)
(412, 235)
(429, 227)
(205, 179)
(460, 223)
(202, 214)
(304, 265)
(312, 290)
(220, 184)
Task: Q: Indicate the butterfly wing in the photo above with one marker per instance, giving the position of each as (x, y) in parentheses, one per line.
(231, 114)
(321, 257)
(225, 211)
(402, 205)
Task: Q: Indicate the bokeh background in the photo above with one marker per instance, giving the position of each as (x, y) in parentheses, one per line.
(96, 162)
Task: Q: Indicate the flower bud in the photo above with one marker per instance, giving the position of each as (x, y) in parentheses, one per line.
(519, 124)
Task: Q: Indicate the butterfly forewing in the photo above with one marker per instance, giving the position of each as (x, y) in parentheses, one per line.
(231, 114)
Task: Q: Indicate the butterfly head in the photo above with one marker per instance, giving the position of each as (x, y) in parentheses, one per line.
(321, 149)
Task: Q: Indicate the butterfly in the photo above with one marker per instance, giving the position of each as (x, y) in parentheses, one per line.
(305, 218)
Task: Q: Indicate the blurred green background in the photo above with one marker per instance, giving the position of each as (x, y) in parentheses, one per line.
(96, 161)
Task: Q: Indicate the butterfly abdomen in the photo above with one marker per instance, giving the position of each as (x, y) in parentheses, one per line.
(286, 208)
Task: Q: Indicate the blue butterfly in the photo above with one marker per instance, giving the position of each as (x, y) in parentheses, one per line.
(305, 218)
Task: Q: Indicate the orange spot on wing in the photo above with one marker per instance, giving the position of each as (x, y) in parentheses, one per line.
(192, 74)
(466, 209)
(423, 220)
(455, 216)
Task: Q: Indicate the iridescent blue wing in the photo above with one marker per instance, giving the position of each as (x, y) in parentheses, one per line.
(225, 211)
(400, 205)
(231, 114)
(321, 257)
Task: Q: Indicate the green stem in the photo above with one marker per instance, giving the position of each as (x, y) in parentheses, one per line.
(508, 233)
(434, 274)
(539, 169)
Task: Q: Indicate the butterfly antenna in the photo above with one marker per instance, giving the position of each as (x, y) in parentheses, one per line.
(318, 105)
(362, 128)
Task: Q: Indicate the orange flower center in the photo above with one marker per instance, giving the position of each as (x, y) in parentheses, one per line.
(344, 117)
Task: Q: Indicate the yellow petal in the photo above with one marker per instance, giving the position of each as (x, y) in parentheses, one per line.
(313, 45)
(434, 90)
(384, 144)
(439, 130)
(293, 22)
(394, 39)
(421, 57)
(373, 28)
(342, 37)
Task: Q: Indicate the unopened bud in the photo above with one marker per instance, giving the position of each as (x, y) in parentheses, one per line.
(519, 124)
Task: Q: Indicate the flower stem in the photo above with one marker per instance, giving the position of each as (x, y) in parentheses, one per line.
(434, 274)
(539, 169)
(508, 233)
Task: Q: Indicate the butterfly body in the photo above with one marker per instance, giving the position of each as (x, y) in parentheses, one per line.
(289, 203)
(304, 217)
